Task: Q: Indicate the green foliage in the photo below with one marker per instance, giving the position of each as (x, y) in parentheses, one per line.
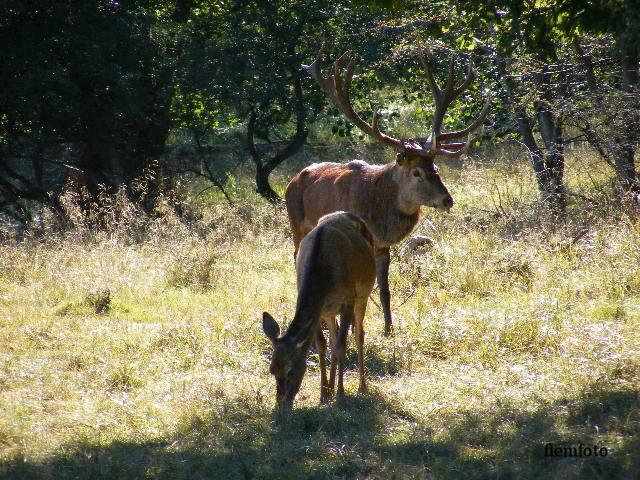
(100, 85)
(81, 71)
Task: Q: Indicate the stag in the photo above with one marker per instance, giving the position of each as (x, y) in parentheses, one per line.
(388, 198)
(335, 274)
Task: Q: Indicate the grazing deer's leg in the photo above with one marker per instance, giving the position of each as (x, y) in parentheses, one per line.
(383, 259)
(359, 311)
(321, 344)
(333, 336)
(340, 348)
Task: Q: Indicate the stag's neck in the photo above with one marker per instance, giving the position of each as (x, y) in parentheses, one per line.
(394, 215)
(405, 203)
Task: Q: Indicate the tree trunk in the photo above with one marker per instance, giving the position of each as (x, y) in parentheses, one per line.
(553, 172)
(616, 142)
(263, 187)
(547, 165)
(265, 166)
(624, 154)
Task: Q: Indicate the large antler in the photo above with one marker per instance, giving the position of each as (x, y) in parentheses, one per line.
(336, 87)
(439, 142)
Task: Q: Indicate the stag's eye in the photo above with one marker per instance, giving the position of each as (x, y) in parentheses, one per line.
(416, 173)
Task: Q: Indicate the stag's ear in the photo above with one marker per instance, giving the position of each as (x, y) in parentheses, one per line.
(401, 158)
(270, 327)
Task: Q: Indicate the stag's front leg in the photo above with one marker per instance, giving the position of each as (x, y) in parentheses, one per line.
(340, 348)
(383, 259)
(321, 344)
(359, 312)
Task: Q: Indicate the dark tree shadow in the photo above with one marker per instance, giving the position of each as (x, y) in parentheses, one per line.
(352, 440)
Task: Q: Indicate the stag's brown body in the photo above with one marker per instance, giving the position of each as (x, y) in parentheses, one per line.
(388, 197)
(370, 192)
(335, 273)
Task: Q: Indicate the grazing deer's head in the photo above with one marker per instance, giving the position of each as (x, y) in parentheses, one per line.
(419, 181)
(288, 363)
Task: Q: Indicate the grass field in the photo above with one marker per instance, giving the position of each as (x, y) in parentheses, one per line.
(138, 352)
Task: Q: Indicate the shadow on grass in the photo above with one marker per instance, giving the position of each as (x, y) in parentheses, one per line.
(368, 437)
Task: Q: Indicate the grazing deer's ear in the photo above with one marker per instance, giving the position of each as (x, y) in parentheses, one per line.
(302, 337)
(270, 327)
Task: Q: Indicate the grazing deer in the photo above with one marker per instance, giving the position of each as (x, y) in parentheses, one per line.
(388, 198)
(335, 274)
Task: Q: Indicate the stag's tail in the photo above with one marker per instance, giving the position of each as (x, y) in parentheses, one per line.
(295, 210)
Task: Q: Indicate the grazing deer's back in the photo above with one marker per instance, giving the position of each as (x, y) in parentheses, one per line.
(336, 260)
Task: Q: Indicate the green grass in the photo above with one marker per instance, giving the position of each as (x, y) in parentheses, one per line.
(138, 352)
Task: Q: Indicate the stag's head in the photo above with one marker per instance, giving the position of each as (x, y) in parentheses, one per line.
(288, 362)
(420, 181)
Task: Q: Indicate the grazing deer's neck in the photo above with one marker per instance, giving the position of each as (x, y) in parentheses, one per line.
(313, 289)
(304, 323)
(311, 295)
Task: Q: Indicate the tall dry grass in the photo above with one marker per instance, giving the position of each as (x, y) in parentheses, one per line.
(136, 351)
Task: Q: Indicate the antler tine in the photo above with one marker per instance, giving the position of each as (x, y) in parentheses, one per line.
(439, 143)
(442, 98)
(374, 122)
(336, 87)
(461, 149)
(324, 82)
(426, 64)
(456, 149)
(351, 66)
(342, 78)
(471, 127)
(467, 81)
(449, 88)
